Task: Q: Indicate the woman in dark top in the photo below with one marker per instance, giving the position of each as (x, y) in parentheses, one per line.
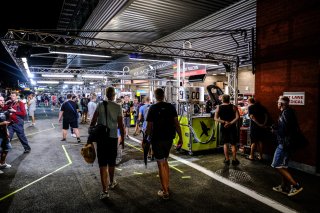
(227, 114)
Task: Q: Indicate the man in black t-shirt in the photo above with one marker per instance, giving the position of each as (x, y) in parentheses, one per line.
(258, 128)
(162, 125)
(69, 112)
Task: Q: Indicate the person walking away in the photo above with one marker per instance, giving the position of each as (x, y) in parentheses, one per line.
(69, 113)
(287, 124)
(32, 102)
(162, 126)
(17, 114)
(135, 111)
(107, 145)
(5, 145)
(127, 108)
(143, 113)
(227, 114)
(92, 106)
(84, 104)
(258, 127)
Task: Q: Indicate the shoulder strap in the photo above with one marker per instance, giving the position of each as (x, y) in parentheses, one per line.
(71, 107)
(105, 104)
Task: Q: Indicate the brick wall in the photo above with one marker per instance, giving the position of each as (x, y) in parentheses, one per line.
(288, 60)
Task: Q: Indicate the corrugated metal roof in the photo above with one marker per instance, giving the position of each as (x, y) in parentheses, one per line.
(212, 33)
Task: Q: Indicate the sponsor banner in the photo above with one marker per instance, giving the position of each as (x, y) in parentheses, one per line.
(192, 69)
(296, 98)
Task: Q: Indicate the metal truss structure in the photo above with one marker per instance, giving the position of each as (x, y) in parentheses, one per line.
(14, 38)
(41, 70)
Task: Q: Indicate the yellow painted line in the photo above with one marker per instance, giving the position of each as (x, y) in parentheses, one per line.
(186, 177)
(134, 147)
(43, 177)
(137, 173)
(176, 169)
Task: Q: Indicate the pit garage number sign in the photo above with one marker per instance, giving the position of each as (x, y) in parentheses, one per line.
(296, 98)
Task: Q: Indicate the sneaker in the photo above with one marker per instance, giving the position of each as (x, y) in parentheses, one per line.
(226, 161)
(1, 172)
(63, 139)
(104, 195)
(5, 166)
(73, 135)
(27, 150)
(280, 189)
(113, 184)
(235, 162)
(295, 190)
(163, 195)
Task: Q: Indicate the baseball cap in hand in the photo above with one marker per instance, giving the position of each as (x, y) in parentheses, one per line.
(88, 153)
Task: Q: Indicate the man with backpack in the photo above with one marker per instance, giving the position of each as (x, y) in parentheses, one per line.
(162, 126)
(84, 104)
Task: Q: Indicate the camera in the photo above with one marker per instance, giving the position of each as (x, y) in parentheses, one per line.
(4, 116)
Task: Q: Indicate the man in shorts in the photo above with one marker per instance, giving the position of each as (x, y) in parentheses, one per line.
(162, 126)
(286, 125)
(127, 108)
(69, 113)
(107, 145)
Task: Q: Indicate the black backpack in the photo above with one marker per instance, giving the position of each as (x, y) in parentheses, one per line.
(164, 125)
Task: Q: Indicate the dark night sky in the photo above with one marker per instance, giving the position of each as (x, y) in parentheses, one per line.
(31, 14)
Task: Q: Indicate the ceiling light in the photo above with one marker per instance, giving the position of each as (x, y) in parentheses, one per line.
(26, 67)
(93, 76)
(83, 52)
(57, 76)
(222, 73)
(147, 57)
(48, 82)
(73, 82)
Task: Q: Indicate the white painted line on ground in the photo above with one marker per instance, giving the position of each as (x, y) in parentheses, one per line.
(44, 130)
(251, 193)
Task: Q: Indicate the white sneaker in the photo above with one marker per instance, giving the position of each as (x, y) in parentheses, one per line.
(5, 166)
(104, 195)
(73, 135)
(113, 184)
(1, 172)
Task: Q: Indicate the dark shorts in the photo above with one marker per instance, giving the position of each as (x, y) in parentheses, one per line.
(5, 144)
(72, 124)
(161, 148)
(229, 135)
(84, 109)
(107, 152)
(258, 134)
(126, 121)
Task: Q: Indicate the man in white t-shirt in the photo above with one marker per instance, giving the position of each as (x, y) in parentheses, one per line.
(92, 105)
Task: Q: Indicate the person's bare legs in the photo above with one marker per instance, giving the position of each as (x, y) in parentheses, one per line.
(104, 178)
(164, 175)
(286, 175)
(234, 152)
(64, 133)
(252, 148)
(111, 173)
(226, 151)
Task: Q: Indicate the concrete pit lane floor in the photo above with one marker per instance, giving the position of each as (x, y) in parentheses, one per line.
(53, 177)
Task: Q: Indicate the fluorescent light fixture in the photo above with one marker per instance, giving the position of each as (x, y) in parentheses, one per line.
(83, 52)
(214, 74)
(47, 82)
(33, 82)
(57, 76)
(94, 76)
(201, 62)
(73, 82)
(147, 57)
(26, 67)
(222, 73)
(91, 83)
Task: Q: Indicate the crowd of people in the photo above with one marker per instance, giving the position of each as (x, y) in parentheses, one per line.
(159, 124)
